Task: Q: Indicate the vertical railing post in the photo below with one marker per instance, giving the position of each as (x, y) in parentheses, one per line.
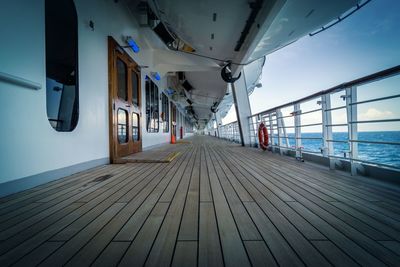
(351, 98)
(271, 132)
(279, 126)
(327, 135)
(297, 130)
(253, 127)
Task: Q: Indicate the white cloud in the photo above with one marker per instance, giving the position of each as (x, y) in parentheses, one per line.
(375, 114)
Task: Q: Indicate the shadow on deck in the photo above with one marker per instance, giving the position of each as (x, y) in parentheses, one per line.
(216, 204)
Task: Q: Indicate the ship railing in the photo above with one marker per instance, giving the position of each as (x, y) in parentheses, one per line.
(288, 123)
(230, 132)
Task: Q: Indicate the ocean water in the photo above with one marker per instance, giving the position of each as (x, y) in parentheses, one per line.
(384, 154)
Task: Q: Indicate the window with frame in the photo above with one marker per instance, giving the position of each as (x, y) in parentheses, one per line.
(135, 127)
(165, 113)
(62, 94)
(152, 107)
(122, 129)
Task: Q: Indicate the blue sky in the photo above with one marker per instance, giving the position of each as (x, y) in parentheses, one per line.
(366, 42)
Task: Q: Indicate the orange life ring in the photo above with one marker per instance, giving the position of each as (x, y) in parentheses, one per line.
(263, 136)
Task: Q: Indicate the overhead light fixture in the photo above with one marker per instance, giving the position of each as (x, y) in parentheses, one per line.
(132, 44)
(156, 76)
(170, 91)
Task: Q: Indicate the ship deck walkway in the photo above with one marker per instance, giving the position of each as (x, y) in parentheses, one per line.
(215, 204)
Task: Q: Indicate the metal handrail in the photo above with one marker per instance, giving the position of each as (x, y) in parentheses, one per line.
(8, 78)
(281, 139)
(357, 82)
(375, 99)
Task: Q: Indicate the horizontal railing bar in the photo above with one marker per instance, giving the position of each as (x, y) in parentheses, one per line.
(331, 109)
(337, 141)
(365, 161)
(304, 125)
(310, 111)
(311, 151)
(300, 113)
(366, 79)
(339, 124)
(375, 99)
(283, 117)
(310, 138)
(338, 157)
(305, 138)
(312, 124)
(375, 121)
(285, 147)
(375, 163)
(294, 149)
(375, 142)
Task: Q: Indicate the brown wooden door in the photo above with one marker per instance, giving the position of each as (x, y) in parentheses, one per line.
(124, 101)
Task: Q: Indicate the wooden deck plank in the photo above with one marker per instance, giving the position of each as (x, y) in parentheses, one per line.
(190, 218)
(373, 247)
(355, 251)
(62, 195)
(20, 223)
(134, 186)
(62, 255)
(50, 187)
(25, 241)
(136, 254)
(236, 185)
(376, 223)
(232, 247)
(185, 254)
(349, 196)
(163, 248)
(262, 182)
(16, 248)
(217, 204)
(210, 253)
(262, 195)
(50, 225)
(326, 179)
(259, 254)
(392, 245)
(283, 253)
(39, 254)
(205, 189)
(125, 226)
(170, 191)
(245, 225)
(286, 184)
(132, 226)
(111, 255)
(333, 253)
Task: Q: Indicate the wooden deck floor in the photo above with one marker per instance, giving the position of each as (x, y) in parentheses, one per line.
(216, 204)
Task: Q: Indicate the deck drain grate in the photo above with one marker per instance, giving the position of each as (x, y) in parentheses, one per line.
(102, 178)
